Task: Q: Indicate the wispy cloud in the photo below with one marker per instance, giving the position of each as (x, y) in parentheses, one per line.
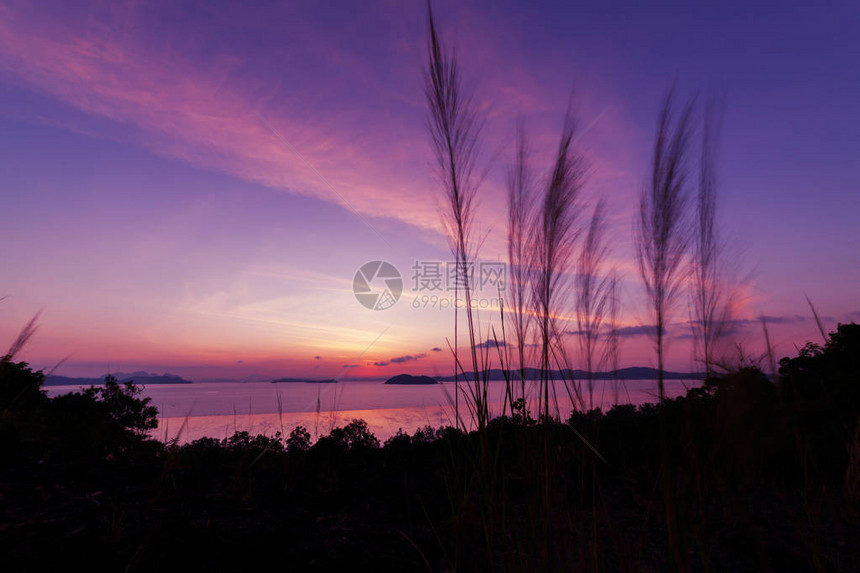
(625, 331)
(738, 326)
(407, 358)
(209, 113)
(490, 343)
(400, 359)
(233, 111)
(649, 330)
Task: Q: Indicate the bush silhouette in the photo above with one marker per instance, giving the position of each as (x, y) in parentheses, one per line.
(20, 386)
(399, 440)
(120, 402)
(299, 440)
(100, 419)
(243, 440)
(424, 435)
(838, 362)
(354, 436)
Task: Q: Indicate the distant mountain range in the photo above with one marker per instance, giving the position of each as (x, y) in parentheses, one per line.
(139, 377)
(632, 373)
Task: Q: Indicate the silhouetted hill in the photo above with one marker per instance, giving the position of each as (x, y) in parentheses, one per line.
(139, 377)
(632, 373)
(409, 379)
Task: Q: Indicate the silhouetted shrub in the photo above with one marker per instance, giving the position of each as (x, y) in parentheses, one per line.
(243, 440)
(821, 391)
(831, 372)
(123, 406)
(449, 432)
(424, 435)
(20, 386)
(101, 418)
(299, 440)
(204, 443)
(399, 440)
(354, 435)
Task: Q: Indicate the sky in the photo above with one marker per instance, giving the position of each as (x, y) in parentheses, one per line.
(192, 187)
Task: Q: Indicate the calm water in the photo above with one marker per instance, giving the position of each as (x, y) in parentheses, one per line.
(217, 409)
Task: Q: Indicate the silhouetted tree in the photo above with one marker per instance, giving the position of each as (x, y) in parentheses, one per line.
(354, 435)
(122, 404)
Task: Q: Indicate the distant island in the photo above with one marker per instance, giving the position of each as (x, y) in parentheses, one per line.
(409, 379)
(139, 377)
(632, 373)
(305, 380)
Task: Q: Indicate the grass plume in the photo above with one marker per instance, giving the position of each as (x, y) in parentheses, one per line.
(454, 127)
(592, 292)
(555, 234)
(662, 231)
(520, 182)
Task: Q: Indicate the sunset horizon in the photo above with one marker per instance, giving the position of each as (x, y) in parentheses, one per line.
(197, 200)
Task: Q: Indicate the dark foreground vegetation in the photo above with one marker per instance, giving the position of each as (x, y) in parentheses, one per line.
(742, 474)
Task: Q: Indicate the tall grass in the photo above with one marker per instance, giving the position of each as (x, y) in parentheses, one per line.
(662, 230)
(454, 127)
(592, 293)
(711, 293)
(555, 233)
(24, 336)
(769, 353)
(815, 315)
(551, 274)
(520, 182)
(611, 346)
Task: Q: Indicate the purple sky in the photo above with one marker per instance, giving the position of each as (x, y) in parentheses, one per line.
(193, 188)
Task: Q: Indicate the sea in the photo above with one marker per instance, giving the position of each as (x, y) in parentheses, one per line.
(187, 412)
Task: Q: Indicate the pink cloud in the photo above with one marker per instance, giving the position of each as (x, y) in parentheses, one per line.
(213, 114)
(198, 113)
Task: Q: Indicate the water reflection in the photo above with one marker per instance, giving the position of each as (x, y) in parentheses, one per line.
(191, 411)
